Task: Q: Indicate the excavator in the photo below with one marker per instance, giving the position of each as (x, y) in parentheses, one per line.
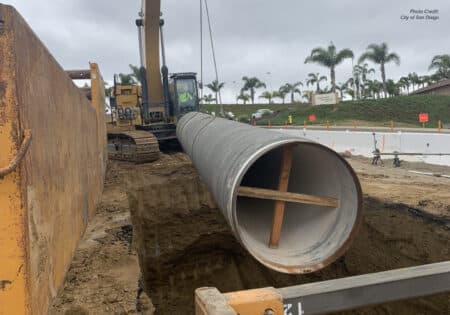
(145, 116)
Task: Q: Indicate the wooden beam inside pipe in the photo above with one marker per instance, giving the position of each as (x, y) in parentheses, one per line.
(262, 193)
(283, 182)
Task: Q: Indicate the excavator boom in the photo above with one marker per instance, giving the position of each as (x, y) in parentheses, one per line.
(151, 12)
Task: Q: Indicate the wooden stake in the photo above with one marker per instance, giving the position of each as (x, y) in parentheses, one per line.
(270, 194)
(283, 182)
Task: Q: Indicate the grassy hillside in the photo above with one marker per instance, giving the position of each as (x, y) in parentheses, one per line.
(247, 110)
(403, 110)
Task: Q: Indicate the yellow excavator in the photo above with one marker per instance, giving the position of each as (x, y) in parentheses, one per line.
(145, 116)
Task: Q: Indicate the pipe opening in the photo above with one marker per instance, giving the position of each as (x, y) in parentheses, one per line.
(312, 236)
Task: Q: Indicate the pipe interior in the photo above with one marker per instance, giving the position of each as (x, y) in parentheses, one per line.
(310, 234)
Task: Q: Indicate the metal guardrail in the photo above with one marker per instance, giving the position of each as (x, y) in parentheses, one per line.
(330, 296)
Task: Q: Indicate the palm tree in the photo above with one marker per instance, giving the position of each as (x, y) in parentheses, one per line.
(315, 78)
(293, 88)
(357, 72)
(364, 71)
(216, 86)
(350, 92)
(392, 88)
(436, 77)
(425, 79)
(267, 95)
(356, 81)
(276, 94)
(243, 97)
(209, 98)
(380, 54)
(308, 95)
(413, 79)
(135, 73)
(370, 88)
(251, 84)
(374, 88)
(108, 89)
(404, 82)
(126, 79)
(442, 64)
(281, 93)
(299, 92)
(329, 58)
(341, 87)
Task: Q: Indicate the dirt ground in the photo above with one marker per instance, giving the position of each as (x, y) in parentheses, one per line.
(184, 242)
(104, 274)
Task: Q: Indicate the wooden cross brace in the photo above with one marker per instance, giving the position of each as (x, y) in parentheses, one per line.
(281, 196)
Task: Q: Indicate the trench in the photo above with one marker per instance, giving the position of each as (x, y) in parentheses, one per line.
(184, 243)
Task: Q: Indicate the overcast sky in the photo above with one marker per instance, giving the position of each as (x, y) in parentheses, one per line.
(267, 39)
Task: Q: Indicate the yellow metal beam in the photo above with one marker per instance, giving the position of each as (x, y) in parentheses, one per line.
(13, 239)
(152, 13)
(98, 101)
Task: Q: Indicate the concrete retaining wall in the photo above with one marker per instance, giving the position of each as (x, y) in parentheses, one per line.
(47, 201)
(362, 143)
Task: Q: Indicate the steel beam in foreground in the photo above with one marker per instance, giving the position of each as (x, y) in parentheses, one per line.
(334, 295)
(369, 289)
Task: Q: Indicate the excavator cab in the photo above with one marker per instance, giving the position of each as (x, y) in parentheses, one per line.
(183, 94)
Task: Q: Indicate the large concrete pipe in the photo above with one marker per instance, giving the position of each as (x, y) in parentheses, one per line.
(244, 168)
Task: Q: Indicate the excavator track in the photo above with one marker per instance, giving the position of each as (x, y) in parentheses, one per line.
(133, 146)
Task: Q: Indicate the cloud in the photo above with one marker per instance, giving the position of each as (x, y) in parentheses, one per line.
(252, 37)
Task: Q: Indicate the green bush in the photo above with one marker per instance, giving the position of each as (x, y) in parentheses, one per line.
(402, 110)
(244, 118)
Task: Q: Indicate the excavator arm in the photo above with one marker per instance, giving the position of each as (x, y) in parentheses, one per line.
(161, 103)
(150, 34)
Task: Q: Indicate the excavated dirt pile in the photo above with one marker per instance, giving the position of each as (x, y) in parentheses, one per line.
(183, 242)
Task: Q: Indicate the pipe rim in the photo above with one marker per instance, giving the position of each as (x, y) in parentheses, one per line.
(301, 269)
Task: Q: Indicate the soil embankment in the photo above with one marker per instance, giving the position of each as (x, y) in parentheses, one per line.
(104, 274)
